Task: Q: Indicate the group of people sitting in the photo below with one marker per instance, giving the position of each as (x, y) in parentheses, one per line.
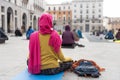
(110, 35)
(18, 32)
(45, 53)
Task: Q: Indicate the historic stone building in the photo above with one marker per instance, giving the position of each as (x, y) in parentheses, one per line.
(17, 13)
(112, 23)
(86, 15)
(62, 14)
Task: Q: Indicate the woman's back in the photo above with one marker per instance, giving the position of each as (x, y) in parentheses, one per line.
(67, 37)
(48, 57)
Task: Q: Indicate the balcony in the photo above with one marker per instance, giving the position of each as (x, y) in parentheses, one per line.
(25, 1)
(36, 6)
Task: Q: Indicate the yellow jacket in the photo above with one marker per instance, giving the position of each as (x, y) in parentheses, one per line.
(49, 59)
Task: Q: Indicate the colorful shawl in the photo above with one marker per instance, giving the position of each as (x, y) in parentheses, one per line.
(45, 27)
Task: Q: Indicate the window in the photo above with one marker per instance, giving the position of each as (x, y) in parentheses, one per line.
(68, 18)
(87, 20)
(99, 16)
(59, 18)
(59, 12)
(64, 12)
(54, 8)
(86, 16)
(59, 8)
(15, 1)
(74, 11)
(87, 11)
(15, 12)
(74, 16)
(80, 16)
(99, 5)
(81, 12)
(93, 21)
(64, 7)
(48, 8)
(69, 7)
(81, 6)
(93, 6)
(93, 16)
(99, 21)
(75, 21)
(81, 28)
(99, 10)
(93, 27)
(2, 9)
(93, 11)
(64, 18)
(9, 0)
(87, 6)
(74, 5)
(69, 12)
(81, 19)
(31, 17)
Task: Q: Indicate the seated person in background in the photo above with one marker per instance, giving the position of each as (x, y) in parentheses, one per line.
(117, 36)
(76, 38)
(79, 33)
(45, 54)
(3, 35)
(67, 37)
(29, 31)
(109, 35)
(18, 32)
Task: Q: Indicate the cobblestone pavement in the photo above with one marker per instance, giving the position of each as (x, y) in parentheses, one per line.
(106, 54)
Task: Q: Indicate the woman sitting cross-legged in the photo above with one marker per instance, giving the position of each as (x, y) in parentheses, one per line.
(68, 39)
(45, 54)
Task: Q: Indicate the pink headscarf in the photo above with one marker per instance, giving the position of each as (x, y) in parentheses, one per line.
(45, 27)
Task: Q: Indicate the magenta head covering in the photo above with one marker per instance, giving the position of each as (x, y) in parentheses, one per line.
(45, 23)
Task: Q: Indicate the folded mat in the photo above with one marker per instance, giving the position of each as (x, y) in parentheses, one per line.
(24, 75)
(118, 41)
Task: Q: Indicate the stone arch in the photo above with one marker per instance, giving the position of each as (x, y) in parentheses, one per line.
(24, 22)
(34, 22)
(9, 19)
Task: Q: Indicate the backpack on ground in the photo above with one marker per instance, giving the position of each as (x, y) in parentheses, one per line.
(87, 68)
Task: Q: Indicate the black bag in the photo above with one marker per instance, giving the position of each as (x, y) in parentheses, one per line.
(86, 68)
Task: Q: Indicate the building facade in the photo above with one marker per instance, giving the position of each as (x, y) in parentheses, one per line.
(17, 13)
(86, 15)
(62, 14)
(112, 23)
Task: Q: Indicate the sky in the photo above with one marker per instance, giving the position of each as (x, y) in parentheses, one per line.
(111, 8)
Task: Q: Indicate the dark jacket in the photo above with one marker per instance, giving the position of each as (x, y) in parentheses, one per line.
(109, 35)
(118, 35)
(67, 36)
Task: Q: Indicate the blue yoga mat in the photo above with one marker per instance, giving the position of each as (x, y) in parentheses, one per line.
(27, 76)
